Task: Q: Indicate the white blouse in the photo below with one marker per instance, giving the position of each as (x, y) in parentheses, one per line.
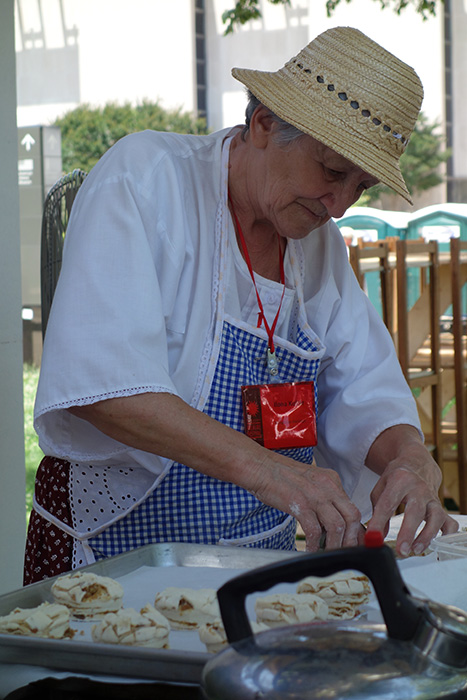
(134, 310)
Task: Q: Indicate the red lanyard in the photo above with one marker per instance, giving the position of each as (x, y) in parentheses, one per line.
(261, 315)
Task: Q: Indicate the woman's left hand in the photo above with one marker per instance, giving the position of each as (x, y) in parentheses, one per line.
(409, 477)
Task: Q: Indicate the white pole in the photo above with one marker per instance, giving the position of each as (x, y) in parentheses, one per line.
(12, 466)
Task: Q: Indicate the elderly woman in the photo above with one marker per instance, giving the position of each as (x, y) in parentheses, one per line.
(207, 332)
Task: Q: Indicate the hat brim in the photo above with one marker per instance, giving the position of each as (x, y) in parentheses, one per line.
(288, 102)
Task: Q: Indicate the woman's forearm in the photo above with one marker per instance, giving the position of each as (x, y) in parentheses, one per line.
(165, 425)
(403, 444)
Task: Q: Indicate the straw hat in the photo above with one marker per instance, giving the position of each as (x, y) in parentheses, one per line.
(349, 93)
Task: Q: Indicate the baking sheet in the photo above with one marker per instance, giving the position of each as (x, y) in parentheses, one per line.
(143, 572)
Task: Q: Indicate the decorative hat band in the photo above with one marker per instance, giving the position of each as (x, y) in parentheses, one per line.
(370, 118)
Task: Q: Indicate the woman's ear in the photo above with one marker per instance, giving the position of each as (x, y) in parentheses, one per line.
(262, 125)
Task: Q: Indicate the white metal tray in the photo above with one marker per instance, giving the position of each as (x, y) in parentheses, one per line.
(176, 665)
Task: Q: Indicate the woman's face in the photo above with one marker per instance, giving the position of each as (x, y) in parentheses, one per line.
(304, 183)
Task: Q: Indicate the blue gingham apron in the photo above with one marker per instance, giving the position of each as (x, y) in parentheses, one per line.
(188, 506)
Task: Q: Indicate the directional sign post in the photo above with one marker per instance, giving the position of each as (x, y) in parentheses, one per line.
(39, 167)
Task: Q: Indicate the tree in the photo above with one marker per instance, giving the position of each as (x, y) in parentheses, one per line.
(246, 10)
(87, 133)
(243, 12)
(420, 164)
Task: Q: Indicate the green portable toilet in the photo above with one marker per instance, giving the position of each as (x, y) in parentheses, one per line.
(441, 222)
(374, 224)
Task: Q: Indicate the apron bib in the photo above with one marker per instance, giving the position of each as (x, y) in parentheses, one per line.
(188, 506)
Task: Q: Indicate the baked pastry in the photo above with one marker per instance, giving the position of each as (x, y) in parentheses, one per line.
(343, 583)
(344, 592)
(289, 609)
(87, 594)
(146, 628)
(213, 636)
(188, 608)
(48, 620)
(342, 610)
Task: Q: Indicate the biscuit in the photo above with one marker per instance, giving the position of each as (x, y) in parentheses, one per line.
(146, 628)
(48, 620)
(342, 610)
(290, 609)
(188, 608)
(87, 594)
(342, 584)
(344, 592)
(213, 636)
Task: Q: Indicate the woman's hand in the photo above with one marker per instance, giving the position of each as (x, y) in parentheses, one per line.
(409, 477)
(315, 497)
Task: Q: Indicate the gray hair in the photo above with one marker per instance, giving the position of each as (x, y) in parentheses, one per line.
(285, 134)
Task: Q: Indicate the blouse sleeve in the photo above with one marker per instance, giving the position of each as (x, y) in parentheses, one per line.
(361, 388)
(107, 335)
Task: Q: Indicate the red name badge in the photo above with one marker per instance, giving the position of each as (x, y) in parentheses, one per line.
(279, 416)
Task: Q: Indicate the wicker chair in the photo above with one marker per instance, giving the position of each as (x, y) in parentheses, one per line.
(57, 207)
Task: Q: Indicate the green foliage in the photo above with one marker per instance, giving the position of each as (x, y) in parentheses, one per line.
(420, 164)
(424, 7)
(246, 10)
(33, 453)
(243, 12)
(87, 132)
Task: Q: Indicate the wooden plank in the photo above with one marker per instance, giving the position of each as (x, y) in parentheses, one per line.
(419, 313)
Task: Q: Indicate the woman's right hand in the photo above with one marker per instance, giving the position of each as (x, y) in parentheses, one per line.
(315, 497)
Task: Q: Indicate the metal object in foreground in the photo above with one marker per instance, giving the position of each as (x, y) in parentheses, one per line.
(421, 651)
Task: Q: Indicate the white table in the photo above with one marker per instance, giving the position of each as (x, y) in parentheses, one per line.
(418, 572)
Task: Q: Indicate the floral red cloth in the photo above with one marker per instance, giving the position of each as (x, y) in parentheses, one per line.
(49, 550)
